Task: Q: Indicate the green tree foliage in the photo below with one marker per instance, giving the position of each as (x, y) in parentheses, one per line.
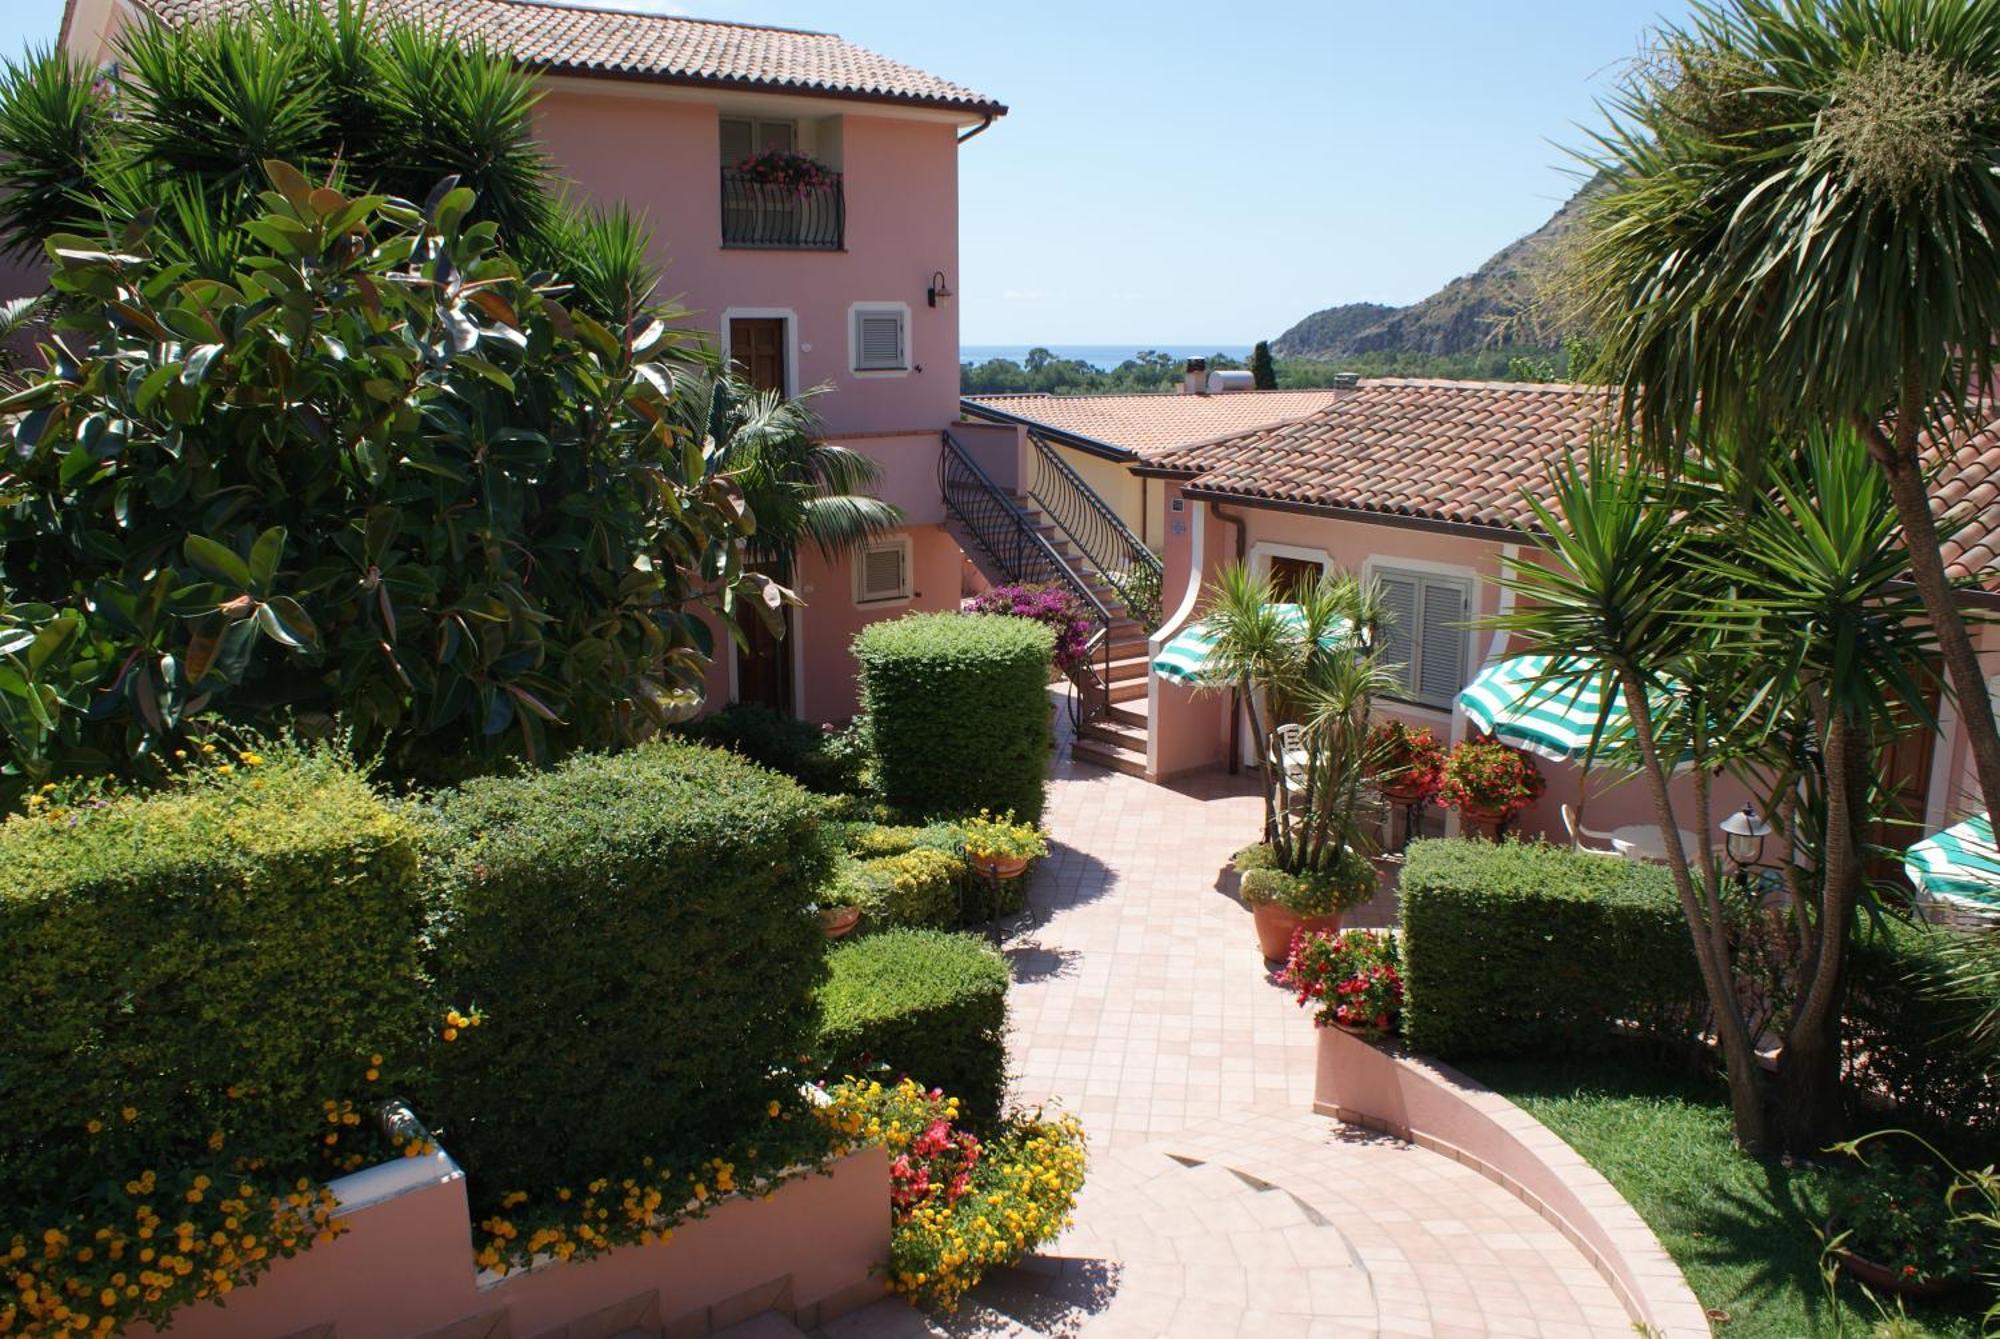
(1263, 372)
(380, 478)
(178, 130)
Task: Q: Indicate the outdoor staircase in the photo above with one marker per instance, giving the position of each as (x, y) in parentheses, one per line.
(1062, 533)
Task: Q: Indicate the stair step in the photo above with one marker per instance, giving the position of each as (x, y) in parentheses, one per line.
(888, 1319)
(1110, 730)
(1126, 690)
(1132, 712)
(1117, 757)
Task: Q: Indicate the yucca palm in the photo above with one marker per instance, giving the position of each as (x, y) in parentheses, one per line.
(1795, 225)
(1798, 653)
(1304, 662)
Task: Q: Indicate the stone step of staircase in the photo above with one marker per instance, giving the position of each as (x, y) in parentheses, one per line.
(1113, 757)
(1113, 730)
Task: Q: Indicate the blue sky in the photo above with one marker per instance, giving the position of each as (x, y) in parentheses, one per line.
(1209, 173)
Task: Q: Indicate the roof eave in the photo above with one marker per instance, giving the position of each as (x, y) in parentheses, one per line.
(1506, 534)
(973, 111)
(1090, 446)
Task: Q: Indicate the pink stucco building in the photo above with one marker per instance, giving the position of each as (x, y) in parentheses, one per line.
(851, 286)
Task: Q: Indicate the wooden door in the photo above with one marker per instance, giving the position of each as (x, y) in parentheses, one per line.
(757, 351)
(764, 667)
(1906, 777)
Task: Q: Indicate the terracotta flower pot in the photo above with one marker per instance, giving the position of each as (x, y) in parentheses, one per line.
(1483, 822)
(1402, 795)
(838, 922)
(1276, 925)
(1001, 867)
(1881, 1278)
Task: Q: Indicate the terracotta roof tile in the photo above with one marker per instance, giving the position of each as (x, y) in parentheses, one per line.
(574, 39)
(1464, 453)
(1457, 452)
(1149, 424)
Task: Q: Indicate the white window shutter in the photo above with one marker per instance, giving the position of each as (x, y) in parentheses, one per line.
(1399, 627)
(884, 573)
(878, 340)
(1441, 636)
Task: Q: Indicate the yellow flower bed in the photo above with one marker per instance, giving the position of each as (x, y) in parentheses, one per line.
(962, 1205)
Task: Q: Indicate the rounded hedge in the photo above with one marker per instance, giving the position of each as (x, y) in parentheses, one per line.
(638, 931)
(958, 712)
(927, 1004)
(188, 978)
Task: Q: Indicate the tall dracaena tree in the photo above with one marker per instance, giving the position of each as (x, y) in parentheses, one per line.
(1305, 662)
(1764, 632)
(1797, 208)
(1612, 592)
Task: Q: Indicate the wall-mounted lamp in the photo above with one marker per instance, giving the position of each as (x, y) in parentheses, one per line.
(938, 288)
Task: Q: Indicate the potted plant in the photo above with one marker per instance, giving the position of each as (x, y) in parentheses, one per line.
(845, 896)
(1896, 1229)
(1309, 685)
(1283, 904)
(1354, 977)
(1488, 782)
(999, 848)
(1405, 761)
(794, 173)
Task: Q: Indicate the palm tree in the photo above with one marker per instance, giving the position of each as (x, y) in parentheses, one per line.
(1305, 664)
(1795, 226)
(801, 491)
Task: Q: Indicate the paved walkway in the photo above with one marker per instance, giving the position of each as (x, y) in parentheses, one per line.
(1217, 1203)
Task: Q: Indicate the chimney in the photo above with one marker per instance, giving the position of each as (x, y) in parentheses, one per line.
(1195, 380)
(1346, 381)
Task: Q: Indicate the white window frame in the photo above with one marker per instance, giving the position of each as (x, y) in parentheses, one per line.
(1263, 551)
(1421, 567)
(791, 320)
(854, 313)
(757, 124)
(862, 599)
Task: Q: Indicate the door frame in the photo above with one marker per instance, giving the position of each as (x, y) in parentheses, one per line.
(731, 315)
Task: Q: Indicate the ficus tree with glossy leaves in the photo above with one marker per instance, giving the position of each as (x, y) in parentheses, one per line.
(1793, 228)
(379, 481)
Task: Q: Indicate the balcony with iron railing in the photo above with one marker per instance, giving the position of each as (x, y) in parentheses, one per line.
(762, 215)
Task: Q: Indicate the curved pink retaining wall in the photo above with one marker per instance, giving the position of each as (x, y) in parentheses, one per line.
(1441, 1110)
(404, 1268)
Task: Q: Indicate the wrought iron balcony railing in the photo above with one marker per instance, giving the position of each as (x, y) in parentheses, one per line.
(779, 218)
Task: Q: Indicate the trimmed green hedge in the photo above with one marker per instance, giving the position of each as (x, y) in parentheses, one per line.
(636, 929)
(924, 1003)
(810, 755)
(1906, 1040)
(187, 977)
(958, 712)
(1525, 947)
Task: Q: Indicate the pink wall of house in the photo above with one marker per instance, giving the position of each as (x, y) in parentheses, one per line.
(661, 156)
(1192, 729)
(404, 1267)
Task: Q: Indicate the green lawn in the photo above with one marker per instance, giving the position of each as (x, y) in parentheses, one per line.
(1740, 1229)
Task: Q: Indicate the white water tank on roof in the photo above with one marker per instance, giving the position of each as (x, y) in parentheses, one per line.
(1221, 383)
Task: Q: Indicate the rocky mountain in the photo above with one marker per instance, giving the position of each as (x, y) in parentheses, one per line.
(1490, 307)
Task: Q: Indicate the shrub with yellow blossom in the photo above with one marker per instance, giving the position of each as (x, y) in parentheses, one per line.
(210, 988)
(961, 1205)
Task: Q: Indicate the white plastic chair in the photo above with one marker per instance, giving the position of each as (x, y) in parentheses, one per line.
(1577, 833)
(1291, 753)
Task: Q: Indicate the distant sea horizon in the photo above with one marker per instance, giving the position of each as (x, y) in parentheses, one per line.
(1103, 356)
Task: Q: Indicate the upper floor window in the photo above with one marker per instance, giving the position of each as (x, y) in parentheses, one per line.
(776, 193)
(880, 337)
(1425, 638)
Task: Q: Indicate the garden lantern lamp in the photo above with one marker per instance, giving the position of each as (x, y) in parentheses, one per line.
(1743, 835)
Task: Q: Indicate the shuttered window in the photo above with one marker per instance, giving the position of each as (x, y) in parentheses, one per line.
(1425, 639)
(881, 342)
(882, 572)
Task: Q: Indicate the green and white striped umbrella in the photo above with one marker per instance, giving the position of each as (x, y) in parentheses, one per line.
(1184, 660)
(1960, 864)
(1516, 702)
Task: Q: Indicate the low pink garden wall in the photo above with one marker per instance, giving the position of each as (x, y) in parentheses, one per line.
(404, 1268)
(1441, 1110)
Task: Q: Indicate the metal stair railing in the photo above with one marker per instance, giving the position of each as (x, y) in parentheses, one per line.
(1120, 557)
(992, 520)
